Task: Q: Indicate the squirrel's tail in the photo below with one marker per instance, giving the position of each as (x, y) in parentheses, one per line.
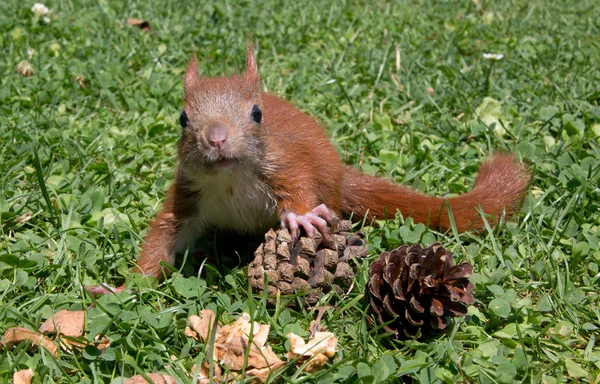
(499, 189)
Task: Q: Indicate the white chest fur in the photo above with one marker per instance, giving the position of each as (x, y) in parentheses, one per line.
(234, 199)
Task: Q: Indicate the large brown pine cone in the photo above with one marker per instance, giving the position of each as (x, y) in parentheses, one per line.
(414, 288)
(312, 266)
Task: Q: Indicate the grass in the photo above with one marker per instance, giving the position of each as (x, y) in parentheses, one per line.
(89, 148)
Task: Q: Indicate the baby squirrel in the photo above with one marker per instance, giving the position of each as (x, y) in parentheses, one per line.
(248, 160)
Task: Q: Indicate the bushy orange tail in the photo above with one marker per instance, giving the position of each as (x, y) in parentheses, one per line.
(499, 188)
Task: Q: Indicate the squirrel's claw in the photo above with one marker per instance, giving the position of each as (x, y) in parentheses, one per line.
(330, 217)
(319, 217)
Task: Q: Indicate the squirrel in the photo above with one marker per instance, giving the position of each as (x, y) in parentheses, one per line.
(249, 160)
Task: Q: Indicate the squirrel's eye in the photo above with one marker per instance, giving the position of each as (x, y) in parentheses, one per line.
(256, 114)
(183, 120)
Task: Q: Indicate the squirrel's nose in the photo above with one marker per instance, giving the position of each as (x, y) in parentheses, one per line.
(217, 134)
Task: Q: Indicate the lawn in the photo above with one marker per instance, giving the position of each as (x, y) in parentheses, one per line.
(89, 143)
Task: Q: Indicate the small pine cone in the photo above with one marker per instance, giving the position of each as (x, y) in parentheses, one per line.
(412, 288)
(311, 266)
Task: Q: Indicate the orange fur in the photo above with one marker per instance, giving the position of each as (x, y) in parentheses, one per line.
(499, 189)
(160, 242)
(287, 164)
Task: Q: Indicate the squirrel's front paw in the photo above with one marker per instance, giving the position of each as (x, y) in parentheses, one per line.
(320, 217)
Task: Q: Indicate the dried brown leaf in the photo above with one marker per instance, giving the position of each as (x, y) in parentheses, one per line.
(25, 68)
(315, 363)
(15, 335)
(144, 25)
(23, 376)
(202, 324)
(317, 351)
(102, 344)
(69, 344)
(231, 354)
(264, 358)
(66, 323)
(25, 217)
(80, 80)
(231, 343)
(204, 373)
(322, 342)
(261, 336)
(190, 333)
(260, 374)
(156, 378)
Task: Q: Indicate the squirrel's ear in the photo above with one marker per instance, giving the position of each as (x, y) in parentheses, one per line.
(191, 74)
(251, 71)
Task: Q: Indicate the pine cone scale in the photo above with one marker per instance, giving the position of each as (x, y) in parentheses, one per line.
(439, 323)
(437, 308)
(309, 267)
(375, 286)
(415, 288)
(398, 290)
(416, 306)
(411, 319)
(458, 272)
(388, 306)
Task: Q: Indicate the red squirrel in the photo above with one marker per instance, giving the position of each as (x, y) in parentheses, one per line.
(249, 160)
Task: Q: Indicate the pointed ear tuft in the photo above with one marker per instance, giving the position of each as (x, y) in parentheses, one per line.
(251, 71)
(191, 74)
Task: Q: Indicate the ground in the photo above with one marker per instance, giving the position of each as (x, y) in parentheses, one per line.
(89, 127)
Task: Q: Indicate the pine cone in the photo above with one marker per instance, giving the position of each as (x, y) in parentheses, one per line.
(312, 266)
(418, 288)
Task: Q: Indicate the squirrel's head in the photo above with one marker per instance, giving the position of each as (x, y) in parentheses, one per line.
(221, 120)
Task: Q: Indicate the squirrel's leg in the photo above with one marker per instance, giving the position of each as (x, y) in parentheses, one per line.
(165, 238)
(158, 246)
(318, 217)
(172, 231)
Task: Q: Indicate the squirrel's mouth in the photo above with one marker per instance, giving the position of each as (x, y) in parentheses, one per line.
(223, 162)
